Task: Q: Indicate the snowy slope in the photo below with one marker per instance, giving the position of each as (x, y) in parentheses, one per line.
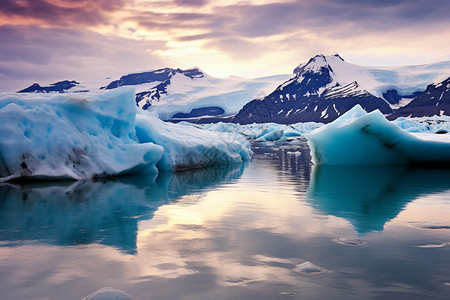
(230, 94)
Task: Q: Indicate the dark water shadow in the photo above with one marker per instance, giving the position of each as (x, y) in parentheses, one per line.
(106, 212)
(370, 196)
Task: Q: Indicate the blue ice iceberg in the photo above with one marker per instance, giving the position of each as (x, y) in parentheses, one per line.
(187, 147)
(80, 136)
(361, 138)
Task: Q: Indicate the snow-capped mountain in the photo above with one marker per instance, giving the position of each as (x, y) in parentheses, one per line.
(435, 100)
(175, 93)
(152, 85)
(326, 87)
(320, 91)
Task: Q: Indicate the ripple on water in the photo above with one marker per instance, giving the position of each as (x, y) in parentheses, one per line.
(350, 242)
(430, 225)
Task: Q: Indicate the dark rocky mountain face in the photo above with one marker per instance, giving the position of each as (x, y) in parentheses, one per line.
(311, 96)
(435, 100)
(61, 87)
(153, 76)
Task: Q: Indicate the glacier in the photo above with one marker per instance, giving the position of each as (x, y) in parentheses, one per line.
(361, 138)
(96, 134)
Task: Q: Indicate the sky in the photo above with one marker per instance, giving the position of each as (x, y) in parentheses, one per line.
(98, 40)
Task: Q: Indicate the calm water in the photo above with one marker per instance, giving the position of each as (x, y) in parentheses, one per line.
(239, 232)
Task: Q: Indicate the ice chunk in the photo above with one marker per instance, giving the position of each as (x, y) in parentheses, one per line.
(309, 268)
(360, 138)
(74, 136)
(255, 131)
(108, 293)
(188, 147)
(271, 136)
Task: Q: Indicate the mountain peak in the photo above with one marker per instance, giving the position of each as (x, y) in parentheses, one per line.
(60, 87)
(317, 62)
(338, 56)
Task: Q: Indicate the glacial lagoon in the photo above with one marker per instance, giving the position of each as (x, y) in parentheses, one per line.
(274, 228)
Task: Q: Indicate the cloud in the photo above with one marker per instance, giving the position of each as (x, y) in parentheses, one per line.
(249, 36)
(33, 54)
(191, 2)
(60, 12)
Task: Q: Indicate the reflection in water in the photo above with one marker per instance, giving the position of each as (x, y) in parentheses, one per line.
(370, 196)
(105, 212)
(234, 233)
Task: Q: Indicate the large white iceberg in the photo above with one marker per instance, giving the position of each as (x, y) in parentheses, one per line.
(79, 136)
(360, 138)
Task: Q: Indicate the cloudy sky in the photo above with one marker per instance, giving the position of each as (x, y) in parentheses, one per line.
(48, 40)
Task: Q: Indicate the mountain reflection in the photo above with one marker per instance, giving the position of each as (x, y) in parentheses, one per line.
(370, 196)
(105, 212)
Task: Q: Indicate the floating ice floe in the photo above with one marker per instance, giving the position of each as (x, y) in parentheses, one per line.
(435, 124)
(350, 242)
(272, 131)
(256, 131)
(108, 293)
(360, 138)
(80, 136)
(309, 268)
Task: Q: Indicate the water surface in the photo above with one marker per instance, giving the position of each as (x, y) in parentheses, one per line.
(274, 228)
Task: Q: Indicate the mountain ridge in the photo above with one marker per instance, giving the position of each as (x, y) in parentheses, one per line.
(320, 90)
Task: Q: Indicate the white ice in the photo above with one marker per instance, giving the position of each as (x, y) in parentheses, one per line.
(309, 268)
(108, 293)
(80, 136)
(360, 138)
(187, 147)
(74, 136)
(258, 131)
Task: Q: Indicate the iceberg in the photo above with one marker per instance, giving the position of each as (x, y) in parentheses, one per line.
(361, 138)
(108, 293)
(74, 136)
(98, 134)
(187, 147)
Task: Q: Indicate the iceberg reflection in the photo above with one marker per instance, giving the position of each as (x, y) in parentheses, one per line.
(106, 212)
(370, 196)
